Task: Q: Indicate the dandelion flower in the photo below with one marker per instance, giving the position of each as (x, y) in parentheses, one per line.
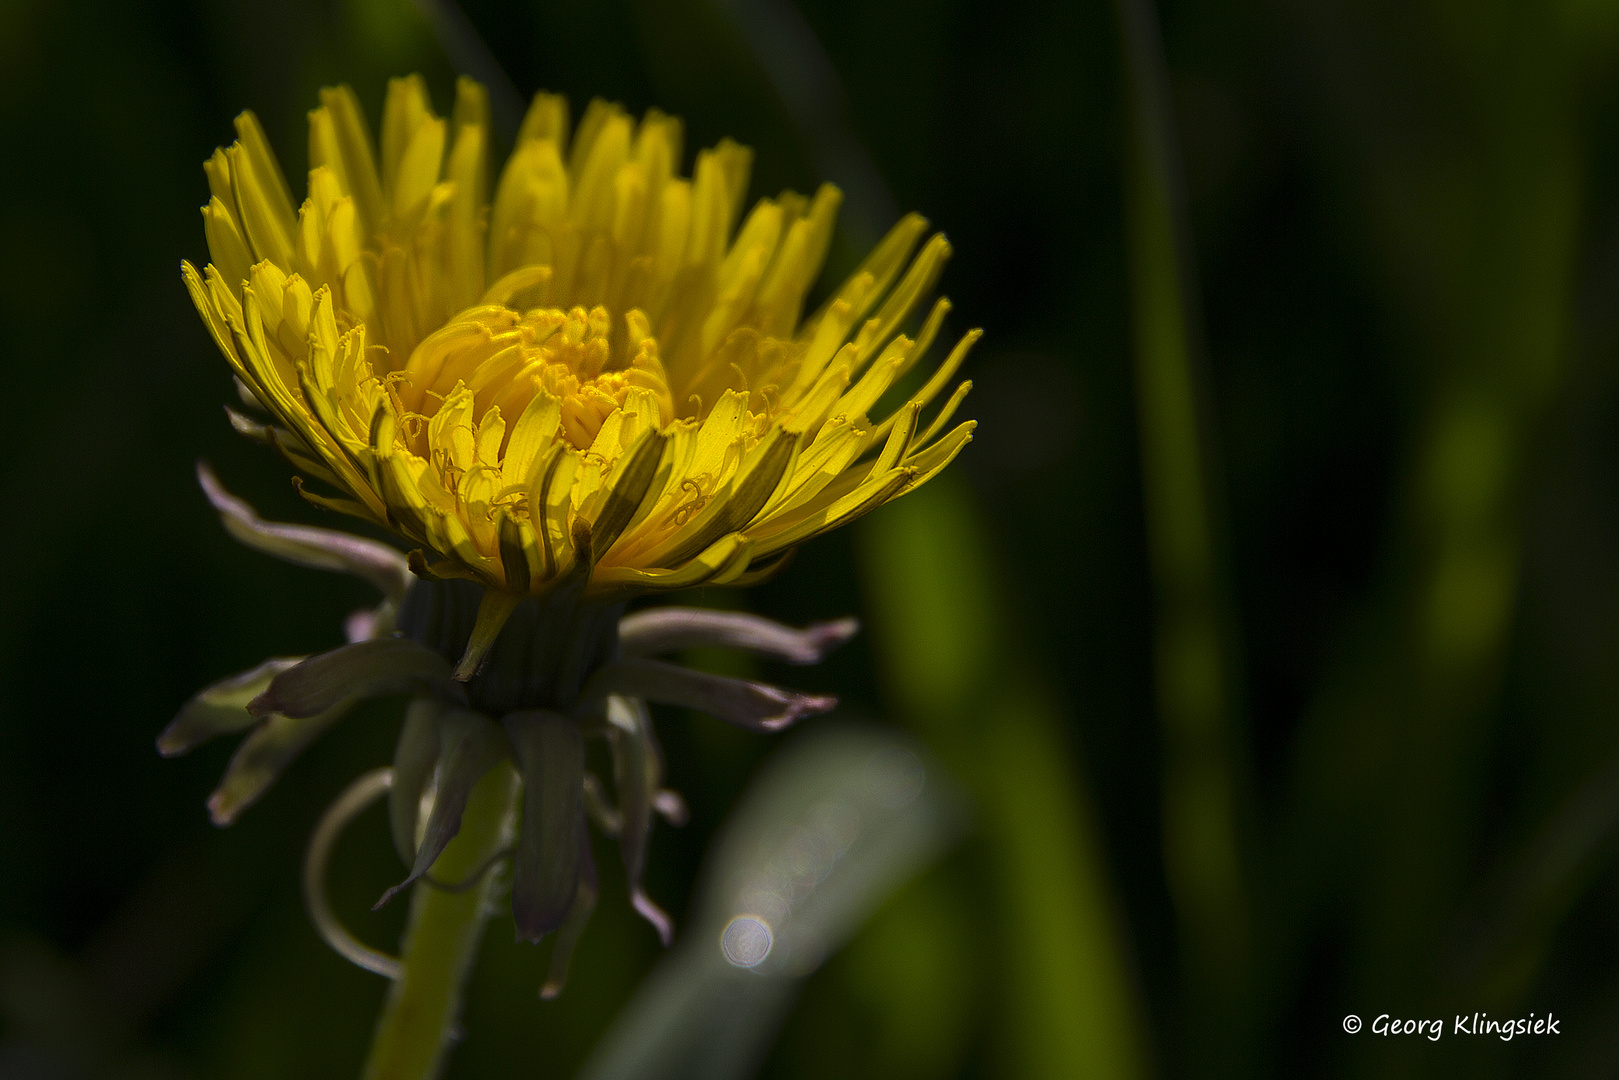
(595, 379)
(576, 384)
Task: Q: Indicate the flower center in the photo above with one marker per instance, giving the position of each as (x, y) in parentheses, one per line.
(505, 358)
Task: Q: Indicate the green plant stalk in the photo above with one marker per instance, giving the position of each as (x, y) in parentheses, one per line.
(1193, 664)
(441, 939)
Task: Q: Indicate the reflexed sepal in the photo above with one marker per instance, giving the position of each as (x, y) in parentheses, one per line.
(246, 395)
(472, 745)
(638, 775)
(752, 705)
(545, 882)
(262, 757)
(414, 760)
(672, 629)
(304, 545)
(221, 709)
(365, 669)
(247, 427)
(573, 924)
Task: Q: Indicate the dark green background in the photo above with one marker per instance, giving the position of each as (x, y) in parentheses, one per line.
(1407, 246)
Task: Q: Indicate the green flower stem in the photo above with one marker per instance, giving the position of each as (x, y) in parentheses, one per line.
(441, 940)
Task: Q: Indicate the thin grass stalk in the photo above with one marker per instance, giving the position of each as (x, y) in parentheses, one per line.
(1193, 664)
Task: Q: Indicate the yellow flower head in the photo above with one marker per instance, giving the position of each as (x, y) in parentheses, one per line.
(595, 379)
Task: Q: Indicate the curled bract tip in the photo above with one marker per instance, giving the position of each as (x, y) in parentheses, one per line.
(652, 913)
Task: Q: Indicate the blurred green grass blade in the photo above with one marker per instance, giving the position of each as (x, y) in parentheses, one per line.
(834, 824)
(1535, 886)
(471, 56)
(1479, 240)
(1061, 996)
(1193, 662)
(1071, 1009)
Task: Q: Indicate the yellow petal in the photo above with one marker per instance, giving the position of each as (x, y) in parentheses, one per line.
(478, 489)
(593, 197)
(417, 172)
(491, 433)
(946, 411)
(404, 110)
(226, 247)
(597, 115)
(878, 270)
(340, 140)
(548, 503)
(535, 430)
(722, 561)
(472, 111)
(532, 199)
(918, 280)
(464, 244)
(266, 228)
(547, 118)
(265, 167)
(449, 433)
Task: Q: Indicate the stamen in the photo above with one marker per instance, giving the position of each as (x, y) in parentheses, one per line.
(699, 500)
